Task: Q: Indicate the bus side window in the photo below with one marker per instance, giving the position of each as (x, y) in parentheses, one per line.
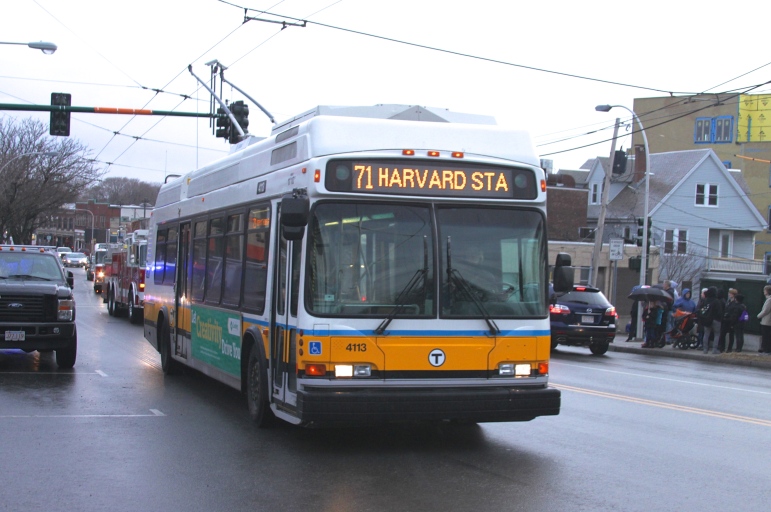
(199, 261)
(256, 267)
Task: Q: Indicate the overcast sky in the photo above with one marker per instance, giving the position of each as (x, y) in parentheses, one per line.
(540, 66)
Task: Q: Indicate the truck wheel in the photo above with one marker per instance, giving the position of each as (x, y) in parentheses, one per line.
(111, 303)
(65, 357)
(168, 364)
(598, 347)
(134, 314)
(257, 388)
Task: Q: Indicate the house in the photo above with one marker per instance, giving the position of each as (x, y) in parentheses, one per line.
(696, 207)
(737, 127)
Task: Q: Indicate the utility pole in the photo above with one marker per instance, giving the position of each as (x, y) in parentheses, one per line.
(603, 207)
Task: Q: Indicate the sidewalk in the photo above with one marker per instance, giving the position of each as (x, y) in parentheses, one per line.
(749, 355)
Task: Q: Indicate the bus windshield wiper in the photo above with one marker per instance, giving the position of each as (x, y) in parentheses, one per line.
(454, 276)
(401, 300)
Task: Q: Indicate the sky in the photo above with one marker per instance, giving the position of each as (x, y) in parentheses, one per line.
(537, 66)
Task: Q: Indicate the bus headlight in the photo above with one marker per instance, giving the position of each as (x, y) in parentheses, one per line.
(358, 370)
(518, 370)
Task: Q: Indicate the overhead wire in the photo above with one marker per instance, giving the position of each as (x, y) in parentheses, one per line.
(453, 52)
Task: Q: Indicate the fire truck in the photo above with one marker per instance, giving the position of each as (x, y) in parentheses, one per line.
(124, 280)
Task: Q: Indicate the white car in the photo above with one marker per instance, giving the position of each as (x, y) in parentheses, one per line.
(74, 259)
(61, 251)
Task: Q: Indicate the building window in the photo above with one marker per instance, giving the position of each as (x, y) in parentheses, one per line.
(713, 130)
(706, 194)
(595, 199)
(675, 241)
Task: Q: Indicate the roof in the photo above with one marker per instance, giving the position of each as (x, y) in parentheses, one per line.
(672, 168)
(578, 175)
(668, 170)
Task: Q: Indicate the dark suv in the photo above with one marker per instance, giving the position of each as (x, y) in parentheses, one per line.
(37, 308)
(582, 317)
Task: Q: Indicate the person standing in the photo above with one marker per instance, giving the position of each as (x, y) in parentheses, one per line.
(730, 318)
(707, 314)
(765, 322)
(744, 317)
(727, 320)
(699, 327)
(667, 323)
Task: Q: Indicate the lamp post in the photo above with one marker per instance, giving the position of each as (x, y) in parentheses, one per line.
(46, 153)
(644, 258)
(47, 48)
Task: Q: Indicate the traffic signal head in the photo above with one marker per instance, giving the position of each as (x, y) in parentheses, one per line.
(240, 111)
(619, 162)
(223, 124)
(59, 123)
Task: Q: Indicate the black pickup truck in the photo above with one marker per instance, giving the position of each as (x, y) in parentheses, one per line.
(37, 308)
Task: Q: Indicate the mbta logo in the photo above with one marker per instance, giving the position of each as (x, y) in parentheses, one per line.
(436, 357)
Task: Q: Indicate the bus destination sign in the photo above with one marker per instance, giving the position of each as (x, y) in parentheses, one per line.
(431, 179)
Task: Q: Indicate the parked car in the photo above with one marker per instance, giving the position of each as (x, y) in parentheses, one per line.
(74, 259)
(582, 317)
(37, 308)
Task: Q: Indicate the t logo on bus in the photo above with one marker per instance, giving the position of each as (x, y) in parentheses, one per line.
(436, 357)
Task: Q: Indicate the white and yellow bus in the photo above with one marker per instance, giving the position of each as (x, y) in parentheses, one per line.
(361, 265)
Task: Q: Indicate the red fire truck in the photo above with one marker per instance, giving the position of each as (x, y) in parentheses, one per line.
(124, 280)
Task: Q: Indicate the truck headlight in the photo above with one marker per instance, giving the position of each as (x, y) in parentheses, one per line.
(66, 310)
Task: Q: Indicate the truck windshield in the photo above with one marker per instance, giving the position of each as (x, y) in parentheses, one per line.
(378, 260)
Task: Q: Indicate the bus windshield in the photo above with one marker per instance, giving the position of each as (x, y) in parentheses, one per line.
(377, 260)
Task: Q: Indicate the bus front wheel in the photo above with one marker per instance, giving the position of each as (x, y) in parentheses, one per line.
(257, 387)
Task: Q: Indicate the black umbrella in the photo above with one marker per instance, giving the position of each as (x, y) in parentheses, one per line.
(650, 293)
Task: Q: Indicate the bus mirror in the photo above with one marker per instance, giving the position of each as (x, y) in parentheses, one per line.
(292, 232)
(563, 274)
(294, 212)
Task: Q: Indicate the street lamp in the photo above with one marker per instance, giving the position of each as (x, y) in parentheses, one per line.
(44, 153)
(47, 48)
(644, 258)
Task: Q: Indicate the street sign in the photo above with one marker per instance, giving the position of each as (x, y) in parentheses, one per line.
(616, 248)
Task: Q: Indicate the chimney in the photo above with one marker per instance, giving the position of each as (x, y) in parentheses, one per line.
(639, 163)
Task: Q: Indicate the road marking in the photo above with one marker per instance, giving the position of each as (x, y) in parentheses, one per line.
(155, 413)
(679, 381)
(100, 372)
(665, 405)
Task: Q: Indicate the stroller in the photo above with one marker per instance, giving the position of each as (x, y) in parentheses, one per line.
(682, 333)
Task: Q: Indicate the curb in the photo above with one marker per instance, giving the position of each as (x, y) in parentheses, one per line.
(754, 360)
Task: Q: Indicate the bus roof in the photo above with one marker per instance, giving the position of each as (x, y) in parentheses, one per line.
(387, 111)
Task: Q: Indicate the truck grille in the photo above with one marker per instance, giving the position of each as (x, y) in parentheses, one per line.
(28, 308)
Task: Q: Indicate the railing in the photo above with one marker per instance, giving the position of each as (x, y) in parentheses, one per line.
(735, 265)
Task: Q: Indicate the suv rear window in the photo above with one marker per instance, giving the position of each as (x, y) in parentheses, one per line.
(584, 297)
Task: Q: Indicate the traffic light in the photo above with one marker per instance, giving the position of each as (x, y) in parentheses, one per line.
(240, 111)
(619, 162)
(640, 231)
(223, 124)
(59, 123)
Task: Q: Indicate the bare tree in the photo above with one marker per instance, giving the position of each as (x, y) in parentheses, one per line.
(682, 267)
(38, 174)
(122, 191)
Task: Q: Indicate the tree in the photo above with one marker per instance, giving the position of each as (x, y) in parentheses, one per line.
(35, 182)
(122, 191)
(682, 267)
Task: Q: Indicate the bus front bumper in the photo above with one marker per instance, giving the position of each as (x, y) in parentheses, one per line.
(367, 406)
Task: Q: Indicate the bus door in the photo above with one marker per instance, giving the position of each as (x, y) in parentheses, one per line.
(283, 348)
(292, 215)
(182, 291)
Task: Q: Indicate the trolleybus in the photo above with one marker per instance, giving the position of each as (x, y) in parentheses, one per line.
(361, 265)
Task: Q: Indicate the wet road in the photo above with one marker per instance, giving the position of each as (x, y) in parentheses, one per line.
(635, 433)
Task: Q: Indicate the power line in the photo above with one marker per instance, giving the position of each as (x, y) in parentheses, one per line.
(451, 52)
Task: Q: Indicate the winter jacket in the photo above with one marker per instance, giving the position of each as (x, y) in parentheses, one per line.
(765, 313)
(685, 303)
